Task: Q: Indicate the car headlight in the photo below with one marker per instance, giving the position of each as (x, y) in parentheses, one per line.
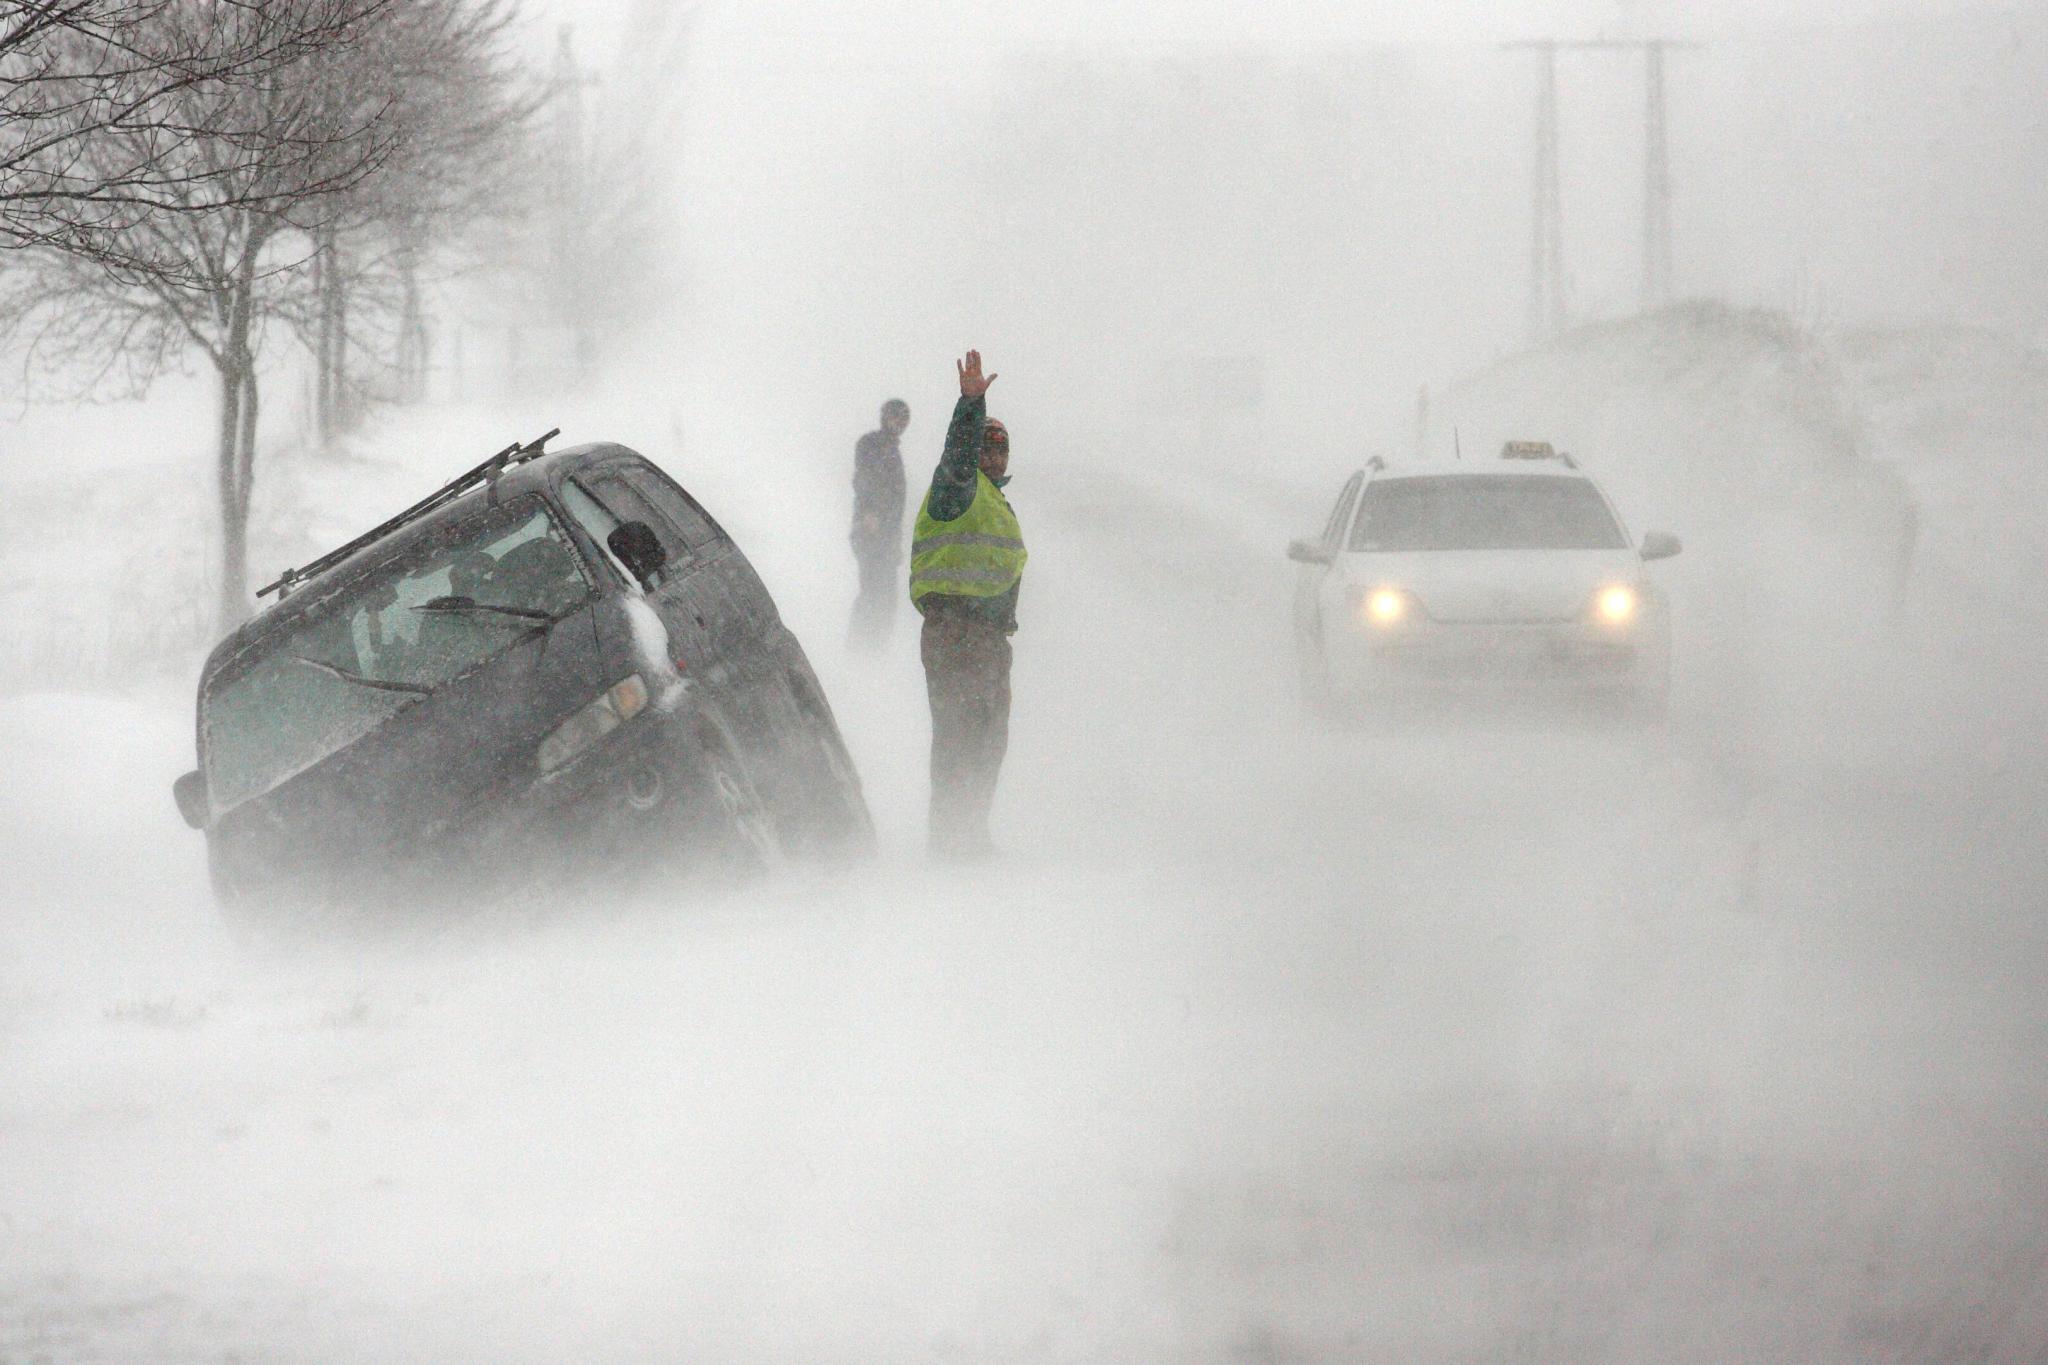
(613, 707)
(1384, 608)
(1616, 604)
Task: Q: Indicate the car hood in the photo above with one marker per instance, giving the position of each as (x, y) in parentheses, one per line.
(1496, 585)
(403, 787)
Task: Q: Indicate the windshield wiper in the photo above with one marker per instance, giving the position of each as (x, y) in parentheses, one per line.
(381, 684)
(464, 604)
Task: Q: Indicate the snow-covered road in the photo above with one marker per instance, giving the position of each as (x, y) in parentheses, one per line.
(1266, 1039)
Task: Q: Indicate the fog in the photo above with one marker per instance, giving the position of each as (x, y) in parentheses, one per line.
(1483, 1032)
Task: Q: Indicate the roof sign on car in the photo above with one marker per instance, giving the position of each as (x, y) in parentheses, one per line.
(1536, 450)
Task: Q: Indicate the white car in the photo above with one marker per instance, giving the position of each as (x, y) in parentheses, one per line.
(1511, 576)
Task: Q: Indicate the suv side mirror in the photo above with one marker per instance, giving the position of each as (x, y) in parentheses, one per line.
(189, 792)
(638, 549)
(1660, 545)
(1308, 552)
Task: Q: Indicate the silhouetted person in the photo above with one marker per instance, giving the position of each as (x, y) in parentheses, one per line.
(878, 526)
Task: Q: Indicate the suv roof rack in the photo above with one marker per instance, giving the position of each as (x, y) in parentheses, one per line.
(487, 472)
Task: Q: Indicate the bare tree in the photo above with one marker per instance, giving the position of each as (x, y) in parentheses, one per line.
(465, 113)
(252, 170)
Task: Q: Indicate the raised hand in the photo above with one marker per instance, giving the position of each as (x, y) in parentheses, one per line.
(972, 384)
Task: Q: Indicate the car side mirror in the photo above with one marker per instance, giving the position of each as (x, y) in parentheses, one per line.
(1660, 545)
(638, 548)
(1308, 552)
(189, 792)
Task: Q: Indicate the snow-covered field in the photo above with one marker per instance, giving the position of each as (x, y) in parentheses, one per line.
(1266, 1040)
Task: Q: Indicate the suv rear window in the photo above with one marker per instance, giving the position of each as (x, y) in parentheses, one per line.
(679, 507)
(1484, 512)
(623, 502)
(383, 642)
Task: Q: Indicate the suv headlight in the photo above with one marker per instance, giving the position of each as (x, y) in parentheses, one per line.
(613, 707)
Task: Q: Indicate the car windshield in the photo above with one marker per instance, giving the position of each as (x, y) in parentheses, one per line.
(388, 639)
(1485, 512)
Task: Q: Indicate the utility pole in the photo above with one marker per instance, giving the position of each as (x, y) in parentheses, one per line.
(1657, 267)
(1546, 282)
(567, 203)
(1546, 219)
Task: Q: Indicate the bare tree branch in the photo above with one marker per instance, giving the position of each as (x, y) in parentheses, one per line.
(151, 73)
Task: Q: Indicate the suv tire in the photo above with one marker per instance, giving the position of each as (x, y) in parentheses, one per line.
(727, 827)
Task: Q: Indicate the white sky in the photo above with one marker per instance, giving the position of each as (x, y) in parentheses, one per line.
(1893, 174)
(1180, 23)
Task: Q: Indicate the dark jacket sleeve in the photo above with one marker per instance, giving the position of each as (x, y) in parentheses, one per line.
(953, 481)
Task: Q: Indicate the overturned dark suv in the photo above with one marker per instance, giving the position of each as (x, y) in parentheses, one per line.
(558, 662)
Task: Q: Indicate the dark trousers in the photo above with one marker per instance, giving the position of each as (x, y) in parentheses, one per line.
(881, 588)
(967, 674)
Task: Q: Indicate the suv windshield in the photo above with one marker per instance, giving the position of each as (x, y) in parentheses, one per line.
(1485, 512)
(389, 638)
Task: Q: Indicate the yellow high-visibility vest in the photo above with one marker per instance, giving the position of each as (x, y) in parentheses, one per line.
(979, 553)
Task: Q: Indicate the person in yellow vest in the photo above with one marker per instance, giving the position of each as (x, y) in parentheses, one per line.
(966, 565)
